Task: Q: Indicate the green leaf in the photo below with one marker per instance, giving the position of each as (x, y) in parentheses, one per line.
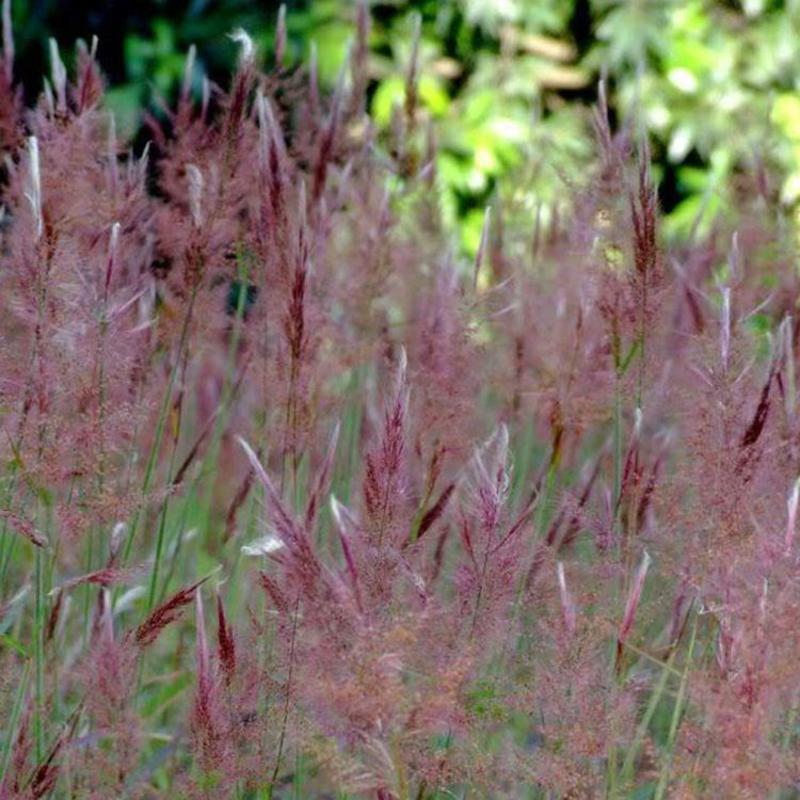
(390, 92)
(10, 641)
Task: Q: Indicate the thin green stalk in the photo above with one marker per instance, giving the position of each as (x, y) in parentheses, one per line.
(626, 772)
(161, 423)
(663, 779)
(522, 462)
(285, 719)
(9, 540)
(611, 773)
(175, 551)
(87, 590)
(38, 655)
(349, 437)
(6, 551)
(617, 456)
(617, 444)
(162, 526)
(545, 507)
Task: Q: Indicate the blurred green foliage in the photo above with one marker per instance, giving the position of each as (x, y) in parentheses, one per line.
(504, 84)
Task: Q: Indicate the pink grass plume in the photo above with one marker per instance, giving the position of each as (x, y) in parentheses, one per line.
(226, 644)
(169, 611)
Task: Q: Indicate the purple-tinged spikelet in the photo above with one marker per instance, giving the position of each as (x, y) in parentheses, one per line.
(165, 614)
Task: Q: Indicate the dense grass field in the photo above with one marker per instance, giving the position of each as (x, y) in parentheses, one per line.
(298, 501)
